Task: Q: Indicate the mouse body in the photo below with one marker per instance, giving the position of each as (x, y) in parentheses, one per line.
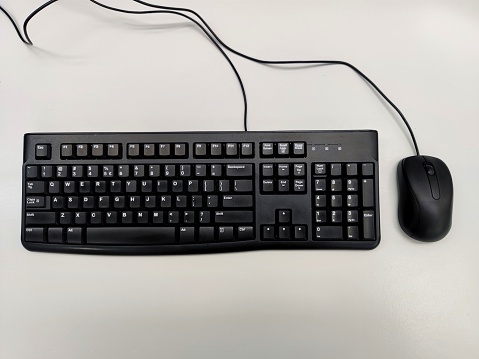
(425, 198)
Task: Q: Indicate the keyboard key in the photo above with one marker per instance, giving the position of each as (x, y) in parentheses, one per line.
(216, 170)
(66, 151)
(336, 200)
(77, 171)
(97, 150)
(368, 225)
(55, 235)
(239, 170)
(284, 216)
(165, 149)
(180, 149)
(352, 216)
(283, 170)
(352, 169)
(206, 235)
(43, 151)
(131, 235)
(74, 235)
(352, 200)
(133, 150)
(231, 149)
(245, 233)
(367, 169)
(92, 171)
(268, 186)
(321, 216)
(336, 216)
(243, 186)
(81, 150)
(320, 201)
(320, 169)
(31, 172)
(47, 172)
(283, 185)
(300, 233)
(35, 187)
(225, 234)
(34, 234)
(283, 149)
(268, 233)
(35, 202)
(320, 185)
(200, 150)
(299, 149)
(113, 150)
(328, 232)
(336, 185)
(38, 218)
(368, 192)
(187, 235)
(335, 169)
(237, 201)
(299, 186)
(234, 217)
(353, 232)
(267, 170)
(284, 232)
(267, 149)
(352, 185)
(247, 150)
(299, 170)
(149, 150)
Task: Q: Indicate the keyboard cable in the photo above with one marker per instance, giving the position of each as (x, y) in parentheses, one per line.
(216, 40)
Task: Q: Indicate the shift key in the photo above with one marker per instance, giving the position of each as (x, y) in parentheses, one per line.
(33, 218)
(234, 216)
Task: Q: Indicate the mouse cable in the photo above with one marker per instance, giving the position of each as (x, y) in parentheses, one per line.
(294, 62)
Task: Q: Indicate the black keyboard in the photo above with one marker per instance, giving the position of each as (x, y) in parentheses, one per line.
(192, 192)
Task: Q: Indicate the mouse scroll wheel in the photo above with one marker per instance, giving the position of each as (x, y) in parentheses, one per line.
(429, 169)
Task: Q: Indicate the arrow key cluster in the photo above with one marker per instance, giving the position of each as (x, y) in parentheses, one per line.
(283, 229)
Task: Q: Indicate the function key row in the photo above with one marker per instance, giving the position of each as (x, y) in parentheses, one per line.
(340, 169)
(157, 150)
(283, 149)
(90, 151)
(222, 150)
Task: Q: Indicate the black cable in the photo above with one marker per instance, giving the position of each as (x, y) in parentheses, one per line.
(15, 26)
(213, 37)
(269, 62)
(158, 12)
(27, 20)
(207, 34)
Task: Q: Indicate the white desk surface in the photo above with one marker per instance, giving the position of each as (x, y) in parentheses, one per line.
(94, 70)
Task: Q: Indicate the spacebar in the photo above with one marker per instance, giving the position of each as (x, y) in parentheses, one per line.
(131, 235)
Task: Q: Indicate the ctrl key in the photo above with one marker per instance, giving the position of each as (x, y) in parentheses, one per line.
(34, 235)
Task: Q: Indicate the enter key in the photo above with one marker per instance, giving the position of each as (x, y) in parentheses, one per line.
(241, 200)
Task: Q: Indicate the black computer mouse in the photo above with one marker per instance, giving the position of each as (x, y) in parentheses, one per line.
(425, 198)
